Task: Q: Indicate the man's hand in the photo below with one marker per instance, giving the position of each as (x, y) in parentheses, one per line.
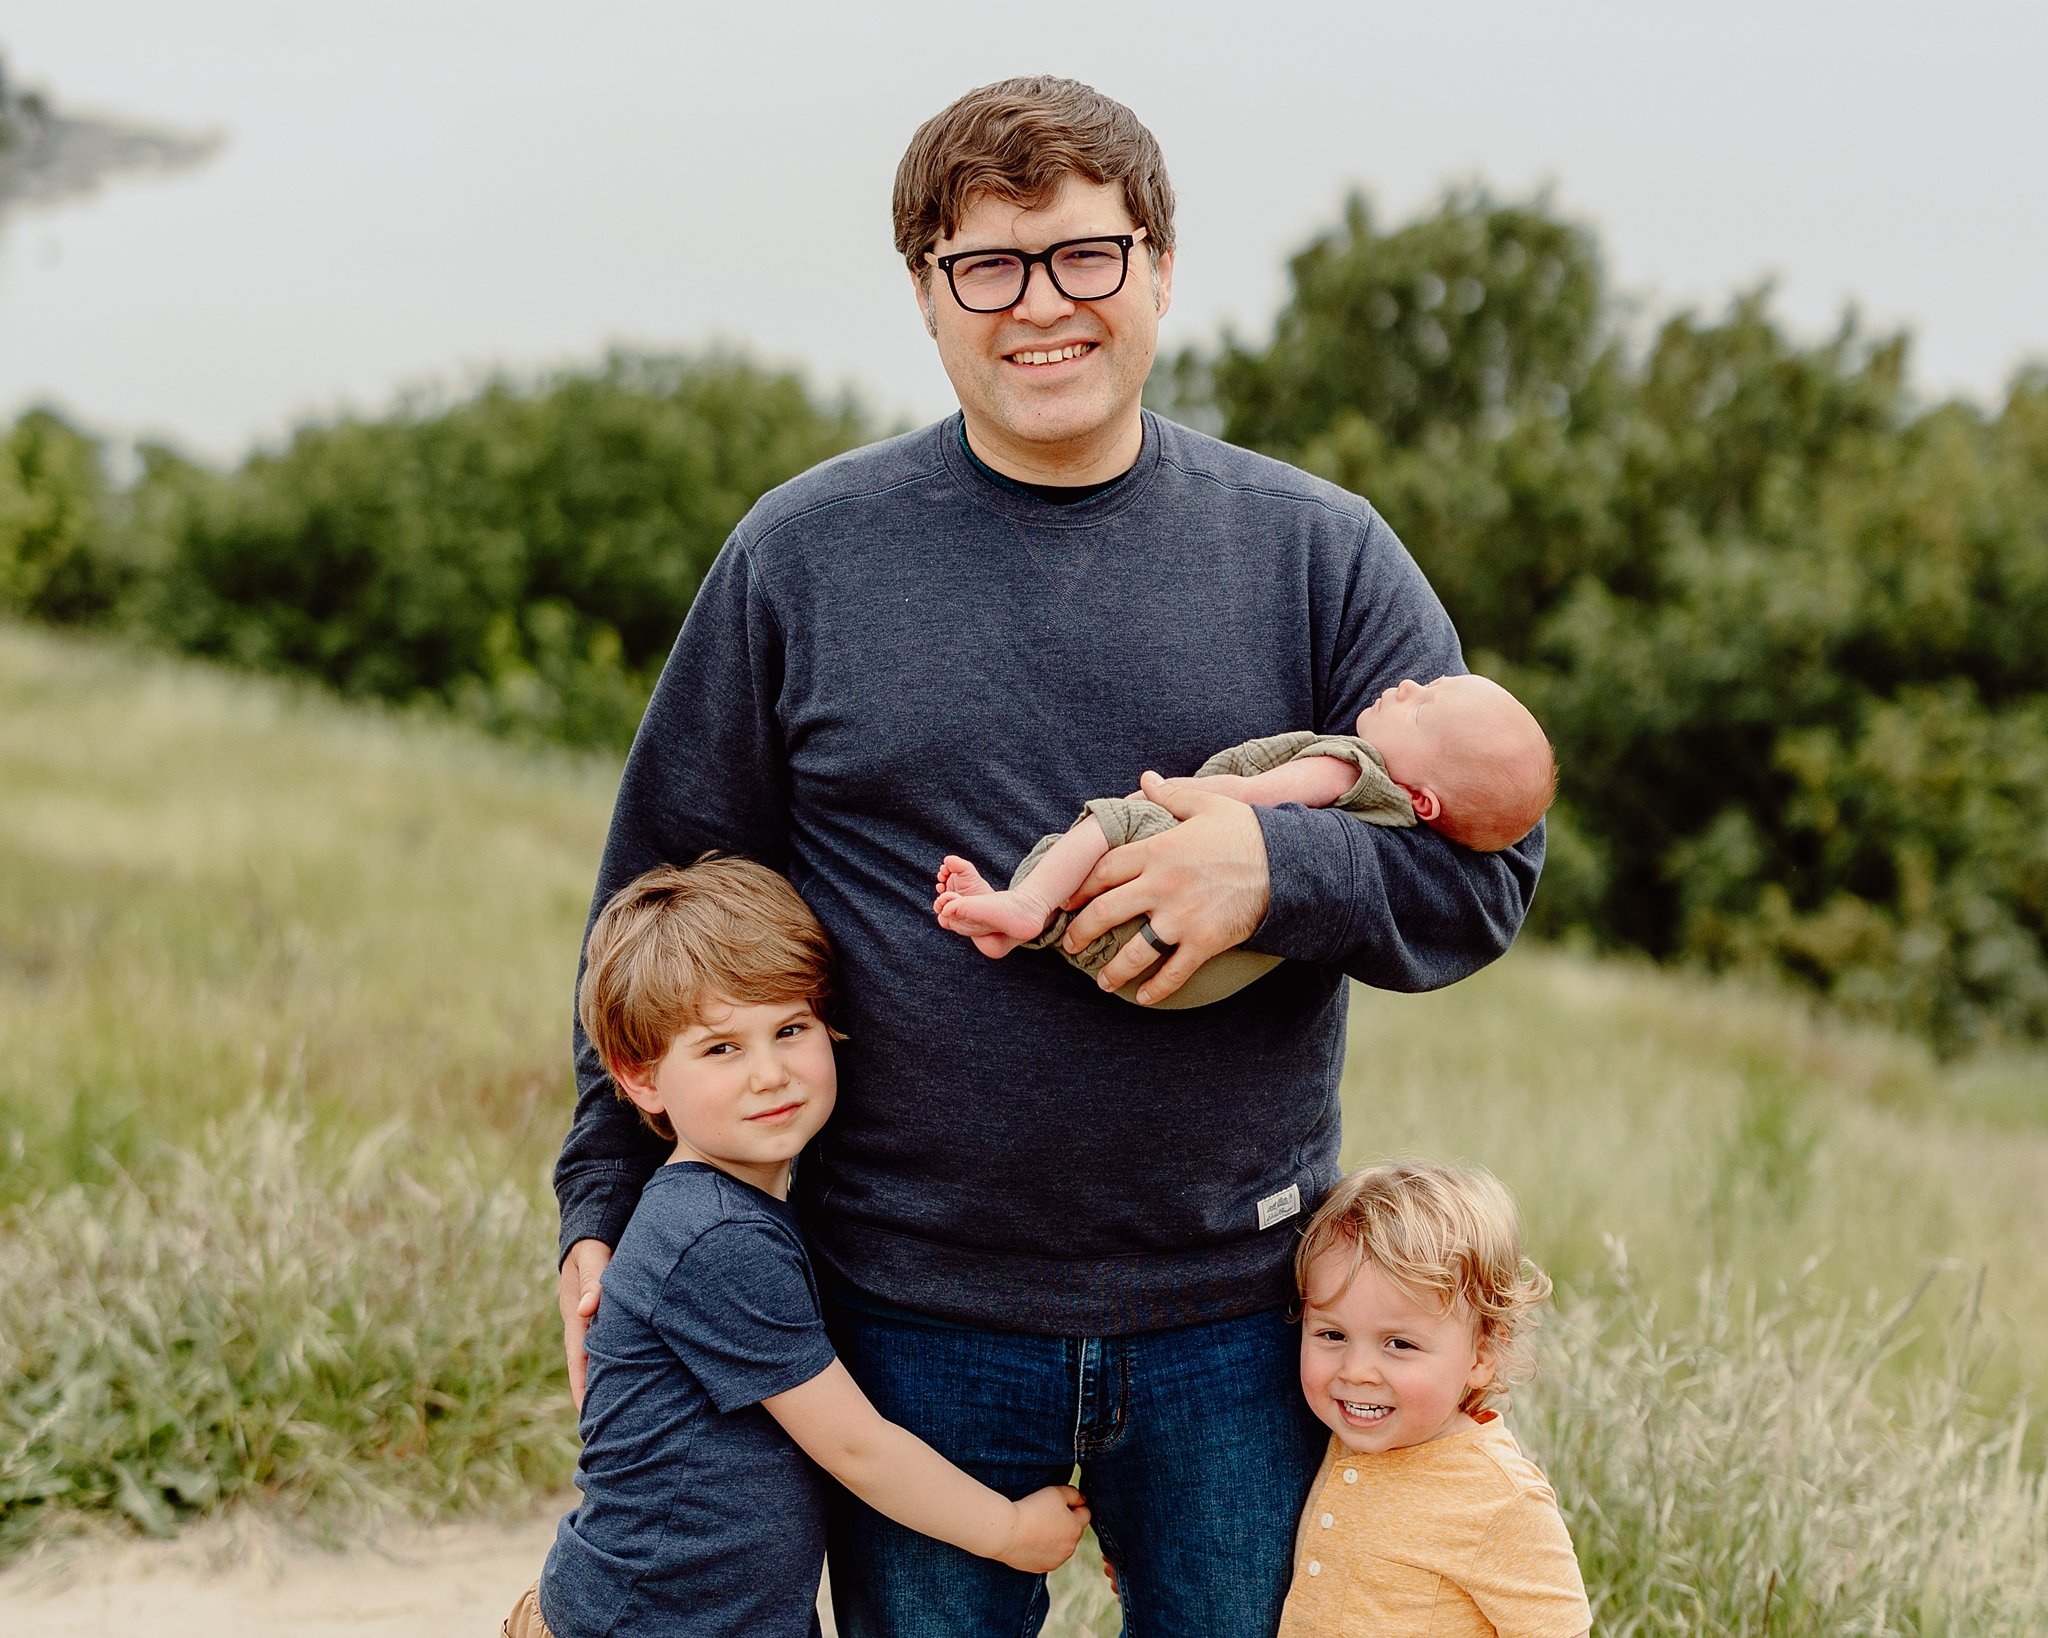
(579, 1293)
(1203, 885)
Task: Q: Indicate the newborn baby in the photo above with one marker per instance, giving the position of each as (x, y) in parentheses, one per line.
(1461, 755)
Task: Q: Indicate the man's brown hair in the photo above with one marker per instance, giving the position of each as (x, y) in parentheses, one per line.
(1018, 140)
(673, 943)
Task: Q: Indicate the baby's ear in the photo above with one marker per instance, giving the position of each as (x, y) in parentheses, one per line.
(1429, 807)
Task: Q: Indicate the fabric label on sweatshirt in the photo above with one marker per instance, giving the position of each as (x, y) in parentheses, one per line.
(1277, 1208)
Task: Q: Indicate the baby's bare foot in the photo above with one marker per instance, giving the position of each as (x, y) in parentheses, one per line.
(997, 920)
(958, 875)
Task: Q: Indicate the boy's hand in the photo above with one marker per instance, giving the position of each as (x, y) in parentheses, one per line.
(1047, 1528)
(579, 1294)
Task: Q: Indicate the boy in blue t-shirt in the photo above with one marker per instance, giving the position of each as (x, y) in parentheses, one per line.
(704, 991)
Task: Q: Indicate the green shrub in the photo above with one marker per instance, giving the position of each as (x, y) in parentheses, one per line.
(1783, 625)
(54, 563)
(525, 556)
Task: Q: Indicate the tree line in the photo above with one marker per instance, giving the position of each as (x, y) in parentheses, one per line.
(1787, 625)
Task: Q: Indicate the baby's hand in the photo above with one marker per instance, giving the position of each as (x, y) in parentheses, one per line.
(1047, 1529)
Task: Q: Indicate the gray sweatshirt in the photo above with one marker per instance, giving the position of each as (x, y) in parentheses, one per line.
(895, 658)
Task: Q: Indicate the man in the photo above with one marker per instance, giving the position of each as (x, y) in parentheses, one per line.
(1053, 1227)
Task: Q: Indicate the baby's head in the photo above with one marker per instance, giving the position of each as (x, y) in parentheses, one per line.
(706, 992)
(1471, 757)
(1417, 1303)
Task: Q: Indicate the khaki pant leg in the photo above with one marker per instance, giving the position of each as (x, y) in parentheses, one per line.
(525, 1620)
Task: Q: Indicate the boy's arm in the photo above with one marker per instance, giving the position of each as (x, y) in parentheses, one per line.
(739, 1312)
(899, 1475)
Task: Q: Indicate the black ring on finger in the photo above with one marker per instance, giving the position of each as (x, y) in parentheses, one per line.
(1145, 932)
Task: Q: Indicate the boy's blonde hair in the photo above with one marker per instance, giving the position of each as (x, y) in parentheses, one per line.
(1445, 1235)
(673, 942)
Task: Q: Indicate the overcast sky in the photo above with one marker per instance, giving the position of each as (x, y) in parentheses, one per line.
(413, 191)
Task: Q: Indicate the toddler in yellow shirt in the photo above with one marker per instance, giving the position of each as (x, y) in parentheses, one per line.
(1425, 1516)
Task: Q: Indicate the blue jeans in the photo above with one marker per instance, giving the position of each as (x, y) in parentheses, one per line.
(1196, 1453)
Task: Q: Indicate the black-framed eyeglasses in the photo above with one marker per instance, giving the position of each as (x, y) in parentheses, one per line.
(992, 281)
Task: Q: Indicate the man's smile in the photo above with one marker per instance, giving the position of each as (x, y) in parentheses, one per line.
(1038, 357)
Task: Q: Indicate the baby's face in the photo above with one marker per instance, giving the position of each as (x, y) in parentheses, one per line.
(1412, 722)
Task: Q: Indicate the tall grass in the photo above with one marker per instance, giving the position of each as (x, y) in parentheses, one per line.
(211, 891)
(335, 1330)
(1728, 1469)
(1708, 1126)
(327, 1327)
(283, 1006)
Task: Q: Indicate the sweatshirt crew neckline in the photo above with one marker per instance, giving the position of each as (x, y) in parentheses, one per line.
(990, 489)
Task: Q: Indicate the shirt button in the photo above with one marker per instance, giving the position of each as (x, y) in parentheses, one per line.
(1329, 1519)
(1315, 1566)
(1351, 1475)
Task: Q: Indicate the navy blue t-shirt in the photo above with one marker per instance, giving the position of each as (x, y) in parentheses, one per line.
(700, 1517)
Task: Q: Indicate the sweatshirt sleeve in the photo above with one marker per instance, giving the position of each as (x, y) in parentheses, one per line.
(707, 771)
(1400, 909)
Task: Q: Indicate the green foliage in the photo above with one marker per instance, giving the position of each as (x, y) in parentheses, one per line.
(172, 1342)
(1783, 626)
(53, 563)
(1464, 319)
(525, 557)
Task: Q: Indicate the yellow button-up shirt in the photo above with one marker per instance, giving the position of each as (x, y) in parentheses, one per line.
(1459, 1537)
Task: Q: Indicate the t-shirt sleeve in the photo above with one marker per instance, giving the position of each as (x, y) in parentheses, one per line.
(1525, 1579)
(740, 1312)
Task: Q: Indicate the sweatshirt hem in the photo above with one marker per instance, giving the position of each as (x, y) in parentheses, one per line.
(1058, 1296)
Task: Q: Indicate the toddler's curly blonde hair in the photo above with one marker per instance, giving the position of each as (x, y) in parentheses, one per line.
(1445, 1235)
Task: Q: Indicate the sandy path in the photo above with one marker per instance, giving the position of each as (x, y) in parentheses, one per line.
(439, 1582)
